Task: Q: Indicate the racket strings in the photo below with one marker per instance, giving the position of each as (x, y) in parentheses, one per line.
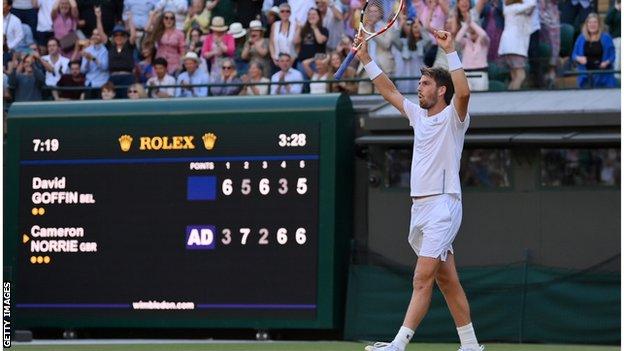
(378, 13)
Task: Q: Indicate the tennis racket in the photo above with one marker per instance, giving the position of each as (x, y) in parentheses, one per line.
(376, 17)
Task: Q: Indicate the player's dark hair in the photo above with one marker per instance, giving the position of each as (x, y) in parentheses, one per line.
(442, 77)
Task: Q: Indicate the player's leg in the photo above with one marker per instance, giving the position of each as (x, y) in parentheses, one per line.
(448, 282)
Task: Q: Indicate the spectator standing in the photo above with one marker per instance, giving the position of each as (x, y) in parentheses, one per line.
(514, 44)
(228, 76)
(136, 91)
(24, 10)
(272, 16)
(192, 76)
(12, 26)
(140, 12)
(493, 21)
(240, 38)
(594, 50)
(121, 58)
(169, 41)
(255, 75)
(159, 79)
(218, 45)
(550, 34)
(474, 43)
(433, 15)
(54, 64)
(110, 13)
(613, 20)
(283, 33)
(335, 60)
(256, 47)
(575, 12)
(44, 22)
(198, 16)
(64, 24)
(333, 15)
(195, 42)
(27, 42)
(320, 72)
(178, 7)
(300, 9)
(95, 62)
(311, 39)
(225, 9)
(247, 10)
(26, 78)
(415, 45)
(279, 80)
(74, 79)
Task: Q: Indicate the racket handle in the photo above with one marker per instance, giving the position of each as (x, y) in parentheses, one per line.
(345, 64)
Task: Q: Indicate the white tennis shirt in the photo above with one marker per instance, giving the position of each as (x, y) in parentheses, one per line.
(438, 144)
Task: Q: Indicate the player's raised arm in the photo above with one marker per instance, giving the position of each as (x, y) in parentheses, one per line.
(382, 83)
(460, 82)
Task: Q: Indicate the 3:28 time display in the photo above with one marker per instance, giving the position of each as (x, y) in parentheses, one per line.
(292, 140)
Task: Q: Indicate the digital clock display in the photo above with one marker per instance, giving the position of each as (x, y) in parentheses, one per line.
(210, 221)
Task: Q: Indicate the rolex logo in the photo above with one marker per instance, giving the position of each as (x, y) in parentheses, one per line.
(125, 141)
(209, 140)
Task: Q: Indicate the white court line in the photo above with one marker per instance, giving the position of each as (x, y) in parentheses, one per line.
(150, 341)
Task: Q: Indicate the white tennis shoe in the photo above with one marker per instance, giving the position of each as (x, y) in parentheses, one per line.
(481, 348)
(382, 346)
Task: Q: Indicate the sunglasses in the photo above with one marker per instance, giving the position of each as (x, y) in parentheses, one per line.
(226, 67)
(133, 91)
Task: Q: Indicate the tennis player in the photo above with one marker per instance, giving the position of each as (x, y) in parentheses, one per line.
(440, 120)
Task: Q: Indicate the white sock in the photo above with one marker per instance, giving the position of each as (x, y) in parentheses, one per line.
(468, 338)
(403, 337)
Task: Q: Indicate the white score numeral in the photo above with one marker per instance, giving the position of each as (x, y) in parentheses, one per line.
(300, 236)
(264, 186)
(282, 140)
(227, 165)
(54, 144)
(283, 164)
(283, 186)
(227, 236)
(302, 164)
(246, 187)
(227, 187)
(265, 165)
(245, 232)
(302, 139)
(264, 237)
(246, 165)
(302, 187)
(36, 143)
(282, 238)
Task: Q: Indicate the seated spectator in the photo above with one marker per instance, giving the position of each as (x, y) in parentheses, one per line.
(108, 91)
(65, 24)
(195, 41)
(239, 33)
(228, 76)
(272, 16)
(514, 44)
(198, 16)
(136, 91)
(335, 60)
(44, 22)
(192, 76)
(179, 8)
(95, 62)
(169, 41)
(13, 33)
(311, 38)
(73, 79)
(333, 15)
(474, 42)
(26, 77)
(493, 21)
(550, 33)
(613, 20)
(594, 50)
(255, 75)
(415, 44)
(26, 44)
(217, 46)
(121, 58)
(282, 37)
(321, 71)
(144, 70)
(286, 74)
(159, 79)
(54, 64)
(257, 47)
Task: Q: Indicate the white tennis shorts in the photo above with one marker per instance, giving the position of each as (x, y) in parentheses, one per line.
(434, 225)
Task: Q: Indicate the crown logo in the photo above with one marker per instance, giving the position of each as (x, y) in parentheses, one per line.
(209, 140)
(125, 141)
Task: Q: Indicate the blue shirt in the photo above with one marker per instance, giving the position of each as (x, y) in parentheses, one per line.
(96, 72)
(140, 11)
(198, 77)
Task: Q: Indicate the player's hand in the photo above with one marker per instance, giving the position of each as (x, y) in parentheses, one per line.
(445, 40)
(362, 53)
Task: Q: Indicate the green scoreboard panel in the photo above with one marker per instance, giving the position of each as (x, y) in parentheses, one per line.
(219, 212)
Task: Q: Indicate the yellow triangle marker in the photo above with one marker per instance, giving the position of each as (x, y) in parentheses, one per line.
(25, 238)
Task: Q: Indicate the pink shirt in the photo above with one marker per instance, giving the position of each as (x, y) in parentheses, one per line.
(437, 20)
(171, 47)
(228, 40)
(62, 26)
(474, 54)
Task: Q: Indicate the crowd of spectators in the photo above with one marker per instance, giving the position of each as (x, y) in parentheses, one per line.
(86, 49)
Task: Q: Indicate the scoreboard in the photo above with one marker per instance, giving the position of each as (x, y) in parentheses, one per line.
(218, 212)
